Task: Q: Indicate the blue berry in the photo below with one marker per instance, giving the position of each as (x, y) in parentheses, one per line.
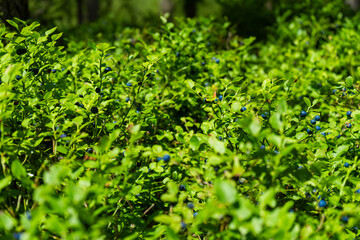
(217, 60)
(90, 150)
(322, 203)
(220, 138)
(243, 109)
(159, 159)
(334, 91)
(190, 205)
(221, 97)
(318, 128)
(262, 147)
(63, 135)
(127, 99)
(166, 157)
(203, 63)
(195, 214)
(348, 125)
(312, 121)
(183, 225)
(182, 187)
(207, 84)
(308, 131)
(276, 152)
(346, 164)
(357, 191)
(324, 134)
(338, 136)
(317, 118)
(17, 236)
(129, 84)
(264, 116)
(204, 99)
(94, 110)
(345, 219)
(107, 69)
(177, 54)
(348, 113)
(303, 113)
(28, 215)
(18, 77)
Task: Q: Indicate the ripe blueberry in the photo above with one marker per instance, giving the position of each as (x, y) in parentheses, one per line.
(345, 219)
(348, 125)
(20, 51)
(53, 70)
(348, 113)
(357, 191)
(346, 164)
(166, 157)
(317, 118)
(18, 77)
(312, 121)
(221, 97)
(190, 205)
(107, 69)
(303, 113)
(127, 99)
(262, 147)
(243, 109)
(334, 91)
(220, 138)
(217, 60)
(94, 110)
(129, 84)
(182, 187)
(308, 131)
(322, 203)
(63, 135)
(183, 225)
(318, 128)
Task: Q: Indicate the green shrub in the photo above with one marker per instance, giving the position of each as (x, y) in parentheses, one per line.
(186, 132)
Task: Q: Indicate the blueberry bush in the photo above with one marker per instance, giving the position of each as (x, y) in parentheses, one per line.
(181, 132)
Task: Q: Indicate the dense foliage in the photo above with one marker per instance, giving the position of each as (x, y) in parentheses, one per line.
(182, 132)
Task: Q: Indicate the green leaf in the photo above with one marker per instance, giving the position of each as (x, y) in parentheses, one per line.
(190, 83)
(307, 101)
(217, 145)
(48, 32)
(340, 150)
(18, 170)
(6, 221)
(56, 36)
(349, 81)
(225, 192)
(194, 143)
(14, 24)
(5, 182)
(163, 19)
(235, 106)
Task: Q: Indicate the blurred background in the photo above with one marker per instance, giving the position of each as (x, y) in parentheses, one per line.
(249, 17)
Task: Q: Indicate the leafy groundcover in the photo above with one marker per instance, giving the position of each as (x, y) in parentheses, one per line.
(182, 132)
